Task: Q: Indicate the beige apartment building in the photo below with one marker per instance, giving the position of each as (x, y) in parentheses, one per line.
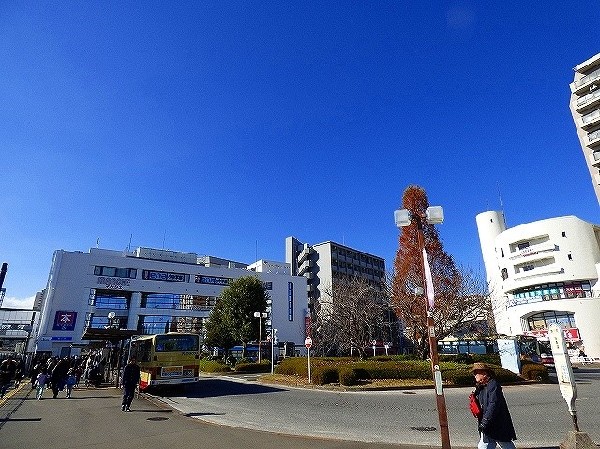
(585, 107)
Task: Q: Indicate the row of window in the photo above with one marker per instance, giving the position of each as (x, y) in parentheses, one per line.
(357, 256)
(549, 292)
(165, 276)
(121, 300)
(129, 273)
(151, 324)
(542, 320)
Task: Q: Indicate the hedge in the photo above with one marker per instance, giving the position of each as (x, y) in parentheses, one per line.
(213, 366)
(252, 367)
(350, 372)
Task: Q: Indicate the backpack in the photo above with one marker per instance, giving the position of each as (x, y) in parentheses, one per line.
(474, 406)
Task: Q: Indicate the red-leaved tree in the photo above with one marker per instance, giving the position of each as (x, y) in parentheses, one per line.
(460, 301)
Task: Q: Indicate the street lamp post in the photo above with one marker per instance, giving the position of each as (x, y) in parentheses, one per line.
(433, 215)
(260, 316)
(273, 338)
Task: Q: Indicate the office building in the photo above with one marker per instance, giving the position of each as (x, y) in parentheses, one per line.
(150, 291)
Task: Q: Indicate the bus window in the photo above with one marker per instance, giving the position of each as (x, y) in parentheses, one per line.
(169, 342)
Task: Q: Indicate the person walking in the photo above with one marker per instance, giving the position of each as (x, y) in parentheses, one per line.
(494, 423)
(40, 384)
(131, 377)
(59, 376)
(71, 381)
(8, 370)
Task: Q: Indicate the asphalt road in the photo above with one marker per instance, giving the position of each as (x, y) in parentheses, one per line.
(409, 417)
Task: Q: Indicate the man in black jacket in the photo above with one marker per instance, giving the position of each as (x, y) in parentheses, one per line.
(131, 377)
(495, 424)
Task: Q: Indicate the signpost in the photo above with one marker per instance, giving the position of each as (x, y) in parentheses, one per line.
(308, 344)
(568, 389)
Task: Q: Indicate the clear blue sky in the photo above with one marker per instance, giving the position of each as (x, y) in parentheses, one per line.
(221, 128)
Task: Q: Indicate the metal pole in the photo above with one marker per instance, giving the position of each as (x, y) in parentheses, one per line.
(308, 349)
(433, 352)
(259, 335)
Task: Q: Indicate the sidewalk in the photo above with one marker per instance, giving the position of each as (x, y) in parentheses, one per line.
(92, 418)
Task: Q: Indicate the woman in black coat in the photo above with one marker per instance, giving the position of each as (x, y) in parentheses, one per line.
(495, 424)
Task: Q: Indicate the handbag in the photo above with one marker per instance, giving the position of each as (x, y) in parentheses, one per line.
(474, 406)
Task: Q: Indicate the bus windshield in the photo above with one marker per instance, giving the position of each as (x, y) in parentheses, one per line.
(168, 343)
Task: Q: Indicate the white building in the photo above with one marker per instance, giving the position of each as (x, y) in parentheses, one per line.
(152, 291)
(585, 108)
(541, 273)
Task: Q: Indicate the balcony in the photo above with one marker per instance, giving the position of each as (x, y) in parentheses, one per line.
(591, 119)
(589, 100)
(595, 158)
(580, 86)
(534, 250)
(306, 266)
(593, 138)
(304, 255)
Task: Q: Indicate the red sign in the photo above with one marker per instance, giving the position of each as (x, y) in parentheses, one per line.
(571, 334)
(308, 342)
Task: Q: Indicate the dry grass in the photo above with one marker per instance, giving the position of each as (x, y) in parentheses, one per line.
(378, 384)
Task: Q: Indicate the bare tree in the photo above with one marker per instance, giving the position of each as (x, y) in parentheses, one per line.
(353, 312)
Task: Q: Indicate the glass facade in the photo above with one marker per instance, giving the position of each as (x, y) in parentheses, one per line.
(542, 320)
(177, 301)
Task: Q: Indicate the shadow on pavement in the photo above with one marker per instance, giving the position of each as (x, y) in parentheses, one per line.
(216, 387)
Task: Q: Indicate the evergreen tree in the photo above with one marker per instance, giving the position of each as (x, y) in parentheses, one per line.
(232, 319)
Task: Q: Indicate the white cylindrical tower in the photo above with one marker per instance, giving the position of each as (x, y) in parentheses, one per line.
(489, 226)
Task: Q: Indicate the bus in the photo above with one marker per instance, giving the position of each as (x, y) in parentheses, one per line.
(166, 359)
(529, 347)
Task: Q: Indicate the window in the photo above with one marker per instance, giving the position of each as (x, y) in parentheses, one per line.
(523, 245)
(564, 234)
(129, 273)
(177, 301)
(528, 267)
(110, 299)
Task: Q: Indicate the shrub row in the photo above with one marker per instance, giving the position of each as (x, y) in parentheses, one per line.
(252, 367)
(350, 372)
(213, 366)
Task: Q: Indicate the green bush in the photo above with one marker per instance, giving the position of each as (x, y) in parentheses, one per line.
(213, 366)
(323, 375)
(293, 366)
(330, 370)
(534, 371)
(348, 376)
(252, 367)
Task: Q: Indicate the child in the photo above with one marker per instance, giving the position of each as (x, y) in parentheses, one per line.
(40, 384)
(71, 381)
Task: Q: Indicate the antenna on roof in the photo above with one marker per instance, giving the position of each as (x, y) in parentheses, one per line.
(97, 242)
(129, 246)
(501, 203)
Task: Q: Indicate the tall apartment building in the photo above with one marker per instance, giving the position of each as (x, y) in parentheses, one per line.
(323, 262)
(544, 272)
(585, 107)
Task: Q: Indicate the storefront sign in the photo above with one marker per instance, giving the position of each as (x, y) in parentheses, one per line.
(150, 275)
(571, 334)
(212, 280)
(64, 321)
(114, 283)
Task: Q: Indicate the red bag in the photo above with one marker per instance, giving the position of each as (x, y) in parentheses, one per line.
(474, 406)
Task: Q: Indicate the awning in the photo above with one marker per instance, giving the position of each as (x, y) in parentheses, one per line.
(111, 334)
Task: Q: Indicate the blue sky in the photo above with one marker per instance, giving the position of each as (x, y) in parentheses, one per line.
(221, 128)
